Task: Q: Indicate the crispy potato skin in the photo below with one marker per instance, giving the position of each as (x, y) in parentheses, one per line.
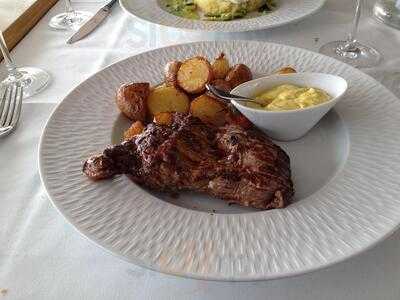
(135, 129)
(163, 118)
(167, 99)
(285, 70)
(238, 74)
(209, 110)
(131, 100)
(194, 74)
(222, 85)
(220, 67)
(171, 72)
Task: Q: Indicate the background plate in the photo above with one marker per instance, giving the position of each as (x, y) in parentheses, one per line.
(352, 209)
(288, 11)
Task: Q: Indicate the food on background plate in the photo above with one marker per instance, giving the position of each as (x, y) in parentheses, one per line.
(218, 10)
(238, 165)
(183, 138)
(289, 97)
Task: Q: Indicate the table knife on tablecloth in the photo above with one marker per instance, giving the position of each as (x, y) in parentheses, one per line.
(92, 23)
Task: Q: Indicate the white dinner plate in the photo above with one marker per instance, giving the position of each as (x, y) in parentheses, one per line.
(345, 171)
(287, 11)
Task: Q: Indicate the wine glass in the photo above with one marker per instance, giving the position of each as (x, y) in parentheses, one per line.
(33, 80)
(71, 19)
(387, 12)
(351, 51)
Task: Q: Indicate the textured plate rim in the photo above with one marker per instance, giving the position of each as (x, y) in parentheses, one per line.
(155, 267)
(317, 8)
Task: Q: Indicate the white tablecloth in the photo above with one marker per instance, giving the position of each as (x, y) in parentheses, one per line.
(43, 257)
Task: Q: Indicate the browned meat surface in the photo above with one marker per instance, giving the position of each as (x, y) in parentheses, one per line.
(231, 163)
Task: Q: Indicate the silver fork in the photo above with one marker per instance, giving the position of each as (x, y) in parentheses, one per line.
(10, 108)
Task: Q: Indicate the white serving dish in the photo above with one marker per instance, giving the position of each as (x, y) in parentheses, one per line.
(292, 124)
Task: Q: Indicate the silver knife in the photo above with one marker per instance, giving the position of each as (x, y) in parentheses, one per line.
(92, 23)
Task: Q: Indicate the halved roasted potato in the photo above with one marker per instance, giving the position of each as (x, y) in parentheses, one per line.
(209, 110)
(167, 99)
(238, 74)
(131, 100)
(163, 118)
(135, 129)
(220, 67)
(171, 72)
(194, 74)
(285, 70)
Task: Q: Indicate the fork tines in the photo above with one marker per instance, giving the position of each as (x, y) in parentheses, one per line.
(10, 107)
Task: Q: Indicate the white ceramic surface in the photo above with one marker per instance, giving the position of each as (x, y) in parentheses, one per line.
(351, 203)
(293, 124)
(288, 11)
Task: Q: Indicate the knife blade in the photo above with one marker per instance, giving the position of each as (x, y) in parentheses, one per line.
(92, 23)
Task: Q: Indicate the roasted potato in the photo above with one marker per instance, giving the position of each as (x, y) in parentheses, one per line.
(238, 74)
(194, 74)
(135, 129)
(285, 70)
(220, 67)
(131, 100)
(163, 118)
(170, 73)
(220, 84)
(209, 110)
(167, 99)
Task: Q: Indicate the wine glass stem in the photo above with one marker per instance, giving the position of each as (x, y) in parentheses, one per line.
(11, 68)
(352, 37)
(68, 7)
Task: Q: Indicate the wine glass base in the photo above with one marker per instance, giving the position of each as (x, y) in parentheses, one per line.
(33, 80)
(70, 20)
(360, 56)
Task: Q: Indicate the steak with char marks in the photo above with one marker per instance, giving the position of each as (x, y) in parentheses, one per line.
(239, 165)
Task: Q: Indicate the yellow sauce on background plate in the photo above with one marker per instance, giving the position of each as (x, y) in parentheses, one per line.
(289, 97)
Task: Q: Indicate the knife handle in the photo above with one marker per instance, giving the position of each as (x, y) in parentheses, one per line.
(109, 5)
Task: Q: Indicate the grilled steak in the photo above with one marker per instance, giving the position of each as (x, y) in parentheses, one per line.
(237, 165)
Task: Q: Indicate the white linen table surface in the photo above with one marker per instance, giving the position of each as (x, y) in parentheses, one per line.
(43, 257)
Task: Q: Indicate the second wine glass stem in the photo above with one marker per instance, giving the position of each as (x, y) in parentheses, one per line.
(68, 7)
(352, 37)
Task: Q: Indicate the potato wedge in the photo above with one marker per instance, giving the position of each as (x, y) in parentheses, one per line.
(220, 67)
(170, 73)
(194, 74)
(163, 118)
(167, 99)
(135, 129)
(131, 100)
(209, 110)
(238, 74)
(285, 70)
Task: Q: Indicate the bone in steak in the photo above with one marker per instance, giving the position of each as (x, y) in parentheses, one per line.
(231, 163)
